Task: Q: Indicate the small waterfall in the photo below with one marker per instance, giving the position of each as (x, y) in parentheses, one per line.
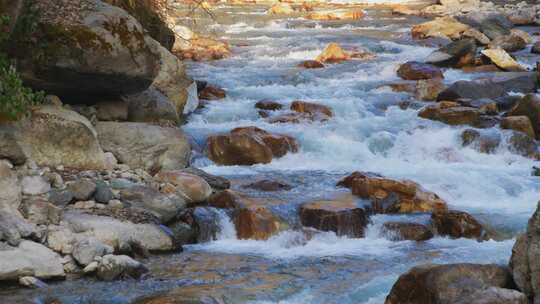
(214, 224)
(227, 230)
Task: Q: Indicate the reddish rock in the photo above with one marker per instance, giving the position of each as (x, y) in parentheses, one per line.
(310, 108)
(452, 113)
(311, 64)
(212, 93)
(457, 224)
(279, 144)
(398, 231)
(333, 53)
(268, 105)
(268, 185)
(417, 71)
(342, 217)
(204, 49)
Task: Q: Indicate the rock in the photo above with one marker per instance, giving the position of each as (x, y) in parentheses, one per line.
(91, 268)
(280, 9)
(333, 53)
(115, 204)
(112, 111)
(192, 188)
(61, 198)
(86, 250)
(268, 105)
(212, 93)
(151, 106)
(103, 193)
(345, 218)
(438, 284)
(311, 64)
(54, 136)
(457, 224)
(510, 43)
(429, 89)
(393, 196)
(268, 185)
(216, 182)
(495, 295)
(41, 212)
(182, 234)
(444, 27)
(413, 70)
(54, 179)
(31, 282)
(29, 259)
(82, 189)
(10, 196)
(165, 207)
(529, 106)
(248, 146)
(482, 141)
(478, 36)
(113, 267)
(203, 48)
(536, 48)
(451, 113)
(9, 148)
(336, 15)
(35, 185)
(522, 144)
(312, 109)
(80, 52)
(398, 231)
(501, 59)
(13, 228)
(518, 123)
(148, 147)
(535, 171)
(456, 54)
(495, 27)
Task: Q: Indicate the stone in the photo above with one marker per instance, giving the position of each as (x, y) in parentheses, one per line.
(9, 147)
(478, 36)
(345, 218)
(115, 204)
(444, 27)
(144, 146)
(113, 267)
(203, 49)
(10, 196)
(503, 60)
(41, 212)
(457, 224)
(61, 198)
(268, 185)
(86, 250)
(35, 185)
(529, 106)
(336, 15)
(452, 114)
(31, 282)
(103, 193)
(182, 234)
(485, 142)
(91, 268)
(268, 105)
(82, 189)
(164, 207)
(413, 70)
(29, 259)
(112, 111)
(311, 64)
(14, 228)
(216, 182)
(495, 27)
(495, 295)
(333, 53)
(212, 93)
(518, 123)
(399, 231)
(438, 284)
(457, 54)
(509, 43)
(151, 106)
(429, 89)
(55, 180)
(536, 48)
(192, 188)
(522, 144)
(280, 9)
(312, 109)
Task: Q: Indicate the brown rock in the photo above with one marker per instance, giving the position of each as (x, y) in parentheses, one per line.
(518, 123)
(445, 27)
(503, 60)
(413, 70)
(509, 43)
(212, 93)
(333, 53)
(336, 15)
(191, 187)
(530, 107)
(310, 108)
(429, 89)
(268, 185)
(457, 224)
(398, 231)
(203, 49)
(451, 113)
(280, 9)
(483, 142)
(268, 105)
(311, 64)
(279, 144)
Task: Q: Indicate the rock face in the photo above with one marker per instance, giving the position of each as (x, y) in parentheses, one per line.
(345, 218)
(457, 224)
(393, 196)
(441, 284)
(248, 146)
(529, 106)
(333, 53)
(29, 259)
(92, 49)
(417, 71)
(139, 145)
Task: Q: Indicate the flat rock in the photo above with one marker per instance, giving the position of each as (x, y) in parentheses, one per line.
(30, 259)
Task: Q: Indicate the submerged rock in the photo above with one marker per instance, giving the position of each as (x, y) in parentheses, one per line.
(482, 141)
(268, 105)
(312, 64)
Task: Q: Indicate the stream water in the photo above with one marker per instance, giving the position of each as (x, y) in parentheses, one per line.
(369, 132)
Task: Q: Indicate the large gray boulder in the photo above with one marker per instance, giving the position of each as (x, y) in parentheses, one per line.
(144, 146)
(29, 259)
(165, 207)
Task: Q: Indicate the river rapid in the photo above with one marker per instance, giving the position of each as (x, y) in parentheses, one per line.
(369, 132)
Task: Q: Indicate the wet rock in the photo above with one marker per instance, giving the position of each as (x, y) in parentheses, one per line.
(438, 284)
(509, 43)
(444, 27)
(518, 123)
(311, 64)
(35, 185)
(535, 171)
(503, 60)
(429, 89)
(482, 141)
(398, 231)
(417, 71)
(112, 111)
(529, 106)
(345, 218)
(103, 193)
(336, 15)
(86, 250)
(113, 267)
(457, 224)
(82, 189)
(268, 105)
(456, 54)
(165, 207)
(216, 182)
(212, 93)
(202, 49)
(268, 185)
(522, 144)
(451, 113)
(144, 146)
(192, 188)
(29, 259)
(333, 53)
(61, 198)
(393, 196)
(536, 48)
(248, 146)
(207, 223)
(312, 109)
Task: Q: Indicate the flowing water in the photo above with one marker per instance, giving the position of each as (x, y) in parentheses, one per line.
(369, 132)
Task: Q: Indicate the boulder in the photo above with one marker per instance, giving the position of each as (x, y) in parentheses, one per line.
(14, 228)
(429, 89)
(443, 27)
(452, 113)
(311, 109)
(485, 142)
(393, 196)
(314, 64)
(82, 189)
(518, 123)
(112, 267)
(529, 106)
(151, 106)
(457, 54)
(103, 193)
(86, 250)
(112, 111)
(35, 185)
(164, 206)
(336, 15)
(268, 185)
(333, 53)
(192, 188)
(268, 105)
(457, 224)
(510, 43)
(61, 198)
(503, 60)
(522, 144)
(417, 71)
(10, 196)
(212, 93)
(495, 26)
(495, 295)
(345, 218)
(216, 182)
(144, 146)
(29, 259)
(86, 49)
(398, 231)
(441, 284)
(9, 148)
(41, 212)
